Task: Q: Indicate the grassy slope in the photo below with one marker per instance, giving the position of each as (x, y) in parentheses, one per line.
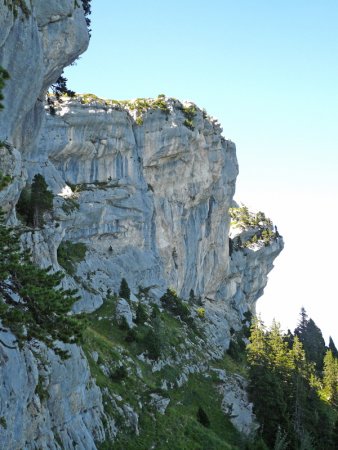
(178, 428)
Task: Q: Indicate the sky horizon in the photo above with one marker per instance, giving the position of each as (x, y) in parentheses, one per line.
(268, 73)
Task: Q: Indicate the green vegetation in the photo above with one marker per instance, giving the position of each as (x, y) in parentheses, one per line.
(70, 254)
(70, 205)
(139, 105)
(35, 201)
(120, 371)
(245, 220)
(189, 114)
(41, 389)
(3, 422)
(293, 400)
(4, 76)
(15, 5)
(43, 310)
(5, 180)
(171, 302)
(124, 291)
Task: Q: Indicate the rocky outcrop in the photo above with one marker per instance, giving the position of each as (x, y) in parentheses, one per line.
(152, 206)
(47, 403)
(235, 402)
(153, 198)
(34, 49)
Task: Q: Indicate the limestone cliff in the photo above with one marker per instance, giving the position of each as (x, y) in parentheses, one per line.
(146, 186)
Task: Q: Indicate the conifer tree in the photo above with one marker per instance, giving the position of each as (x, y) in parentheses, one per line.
(330, 378)
(312, 339)
(333, 348)
(34, 201)
(124, 291)
(41, 199)
(32, 304)
(4, 76)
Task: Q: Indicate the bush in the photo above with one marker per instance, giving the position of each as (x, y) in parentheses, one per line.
(175, 305)
(4, 76)
(131, 335)
(123, 324)
(201, 313)
(70, 254)
(153, 345)
(120, 374)
(5, 180)
(203, 418)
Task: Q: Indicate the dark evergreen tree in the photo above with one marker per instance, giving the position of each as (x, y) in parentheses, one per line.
(4, 76)
(141, 314)
(35, 201)
(202, 417)
(32, 304)
(285, 390)
(60, 88)
(87, 11)
(41, 199)
(312, 339)
(333, 348)
(124, 291)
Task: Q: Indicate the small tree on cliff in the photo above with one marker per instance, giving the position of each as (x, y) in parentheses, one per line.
(124, 291)
(4, 76)
(32, 304)
(35, 201)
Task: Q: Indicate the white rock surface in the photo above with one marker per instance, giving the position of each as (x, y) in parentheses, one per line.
(45, 401)
(235, 402)
(123, 312)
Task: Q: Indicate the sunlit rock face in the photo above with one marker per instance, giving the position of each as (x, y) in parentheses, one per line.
(34, 49)
(153, 198)
(46, 403)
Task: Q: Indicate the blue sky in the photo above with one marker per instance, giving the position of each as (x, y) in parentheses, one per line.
(268, 71)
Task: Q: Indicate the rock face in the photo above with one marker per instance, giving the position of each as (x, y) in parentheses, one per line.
(34, 48)
(147, 192)
(47, 403)
(153, 198)
(153, 202)
(235, 402)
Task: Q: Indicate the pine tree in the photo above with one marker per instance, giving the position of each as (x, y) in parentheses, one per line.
(333, 348)
(265, 388)
(330, 378)
(41, 200)
(32, 304)
(312, 339)
(34, 201)
(124, 291)
(4, 76)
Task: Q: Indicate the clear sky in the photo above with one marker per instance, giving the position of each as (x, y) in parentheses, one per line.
(268, 70)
